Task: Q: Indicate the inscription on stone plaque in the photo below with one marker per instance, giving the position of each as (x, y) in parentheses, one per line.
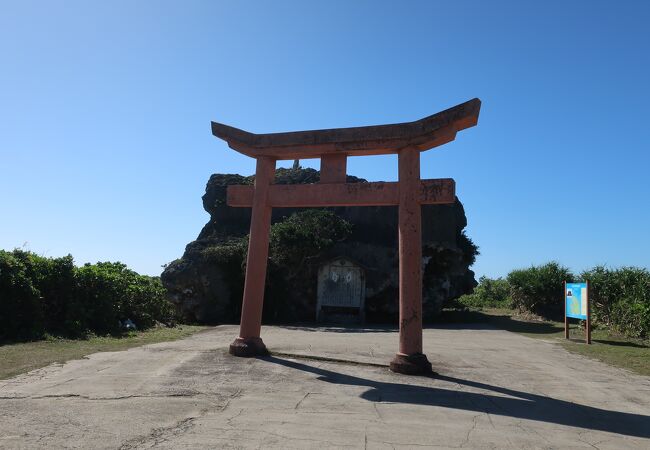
(341, 288)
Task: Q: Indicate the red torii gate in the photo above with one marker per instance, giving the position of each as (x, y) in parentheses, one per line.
(333, 147)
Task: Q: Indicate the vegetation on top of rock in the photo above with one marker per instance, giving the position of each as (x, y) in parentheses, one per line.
(305, 234)
(292, 242)
(468, 248)
(295, 176)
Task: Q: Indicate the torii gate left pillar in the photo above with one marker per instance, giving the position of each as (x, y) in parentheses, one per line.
(333, 147)
(249, 340)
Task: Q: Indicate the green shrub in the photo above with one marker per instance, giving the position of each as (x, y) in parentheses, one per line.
(306, 234)
(468, 247)
(21, 309)
(620, 299)
(146, 302)
(490, 293)
(41, 295)
(109, 293)
(292, 241)
(227, 254)
(299, 237)
(230, 257)
(55, 280)
(539, 289)
(99, 290)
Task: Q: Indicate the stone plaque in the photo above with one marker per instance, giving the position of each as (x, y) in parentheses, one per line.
(341, 284)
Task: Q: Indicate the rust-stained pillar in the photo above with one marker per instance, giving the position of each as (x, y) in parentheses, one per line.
(249, 342)
(410, 359)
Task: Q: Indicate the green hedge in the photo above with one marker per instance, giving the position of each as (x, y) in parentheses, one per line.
(21, 306)
(620, 298)
(41, 296)
(538, 289)
(490, 293)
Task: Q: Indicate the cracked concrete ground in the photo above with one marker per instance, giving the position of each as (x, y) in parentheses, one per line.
(495, 389)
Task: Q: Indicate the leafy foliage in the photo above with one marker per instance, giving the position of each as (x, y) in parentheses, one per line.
(620, 299)
(54, 279)
(21, 311)
(41, 295)
(294, 240)
(468, 247)
(538, 289)
(292, 176)
(490, 293)
(108, 292)
(305, 234)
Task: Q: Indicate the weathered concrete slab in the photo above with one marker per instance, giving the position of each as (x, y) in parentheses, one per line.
(495, 390)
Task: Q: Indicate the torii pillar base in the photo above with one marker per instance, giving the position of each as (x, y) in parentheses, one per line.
(416, 364)
(248, 347)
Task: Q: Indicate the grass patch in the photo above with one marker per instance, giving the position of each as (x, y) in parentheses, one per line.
(628, 353)
(22, 357)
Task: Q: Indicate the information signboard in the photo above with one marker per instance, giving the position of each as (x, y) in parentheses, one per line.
(576, 306)
(576, 298)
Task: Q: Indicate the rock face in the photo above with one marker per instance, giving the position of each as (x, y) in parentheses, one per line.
(206, 284)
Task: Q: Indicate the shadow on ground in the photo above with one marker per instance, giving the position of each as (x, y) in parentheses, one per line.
(620, 343)
(470, 319)
(458, 319)
(510, 403)
(342, 328)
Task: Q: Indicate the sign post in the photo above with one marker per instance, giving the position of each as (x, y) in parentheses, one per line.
(576, 306)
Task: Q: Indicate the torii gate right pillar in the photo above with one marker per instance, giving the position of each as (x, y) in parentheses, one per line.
(409, 359)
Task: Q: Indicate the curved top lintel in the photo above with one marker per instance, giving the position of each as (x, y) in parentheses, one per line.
(423, 134)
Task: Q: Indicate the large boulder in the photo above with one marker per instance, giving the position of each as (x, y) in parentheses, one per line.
(206, 283)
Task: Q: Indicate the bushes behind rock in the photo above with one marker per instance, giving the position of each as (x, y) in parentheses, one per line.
(41, 296)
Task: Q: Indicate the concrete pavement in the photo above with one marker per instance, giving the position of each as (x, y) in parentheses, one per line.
(495, 389)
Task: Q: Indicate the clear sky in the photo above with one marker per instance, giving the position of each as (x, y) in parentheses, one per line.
(105, 110)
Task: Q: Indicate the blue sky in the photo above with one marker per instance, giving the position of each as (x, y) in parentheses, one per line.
(105, 110)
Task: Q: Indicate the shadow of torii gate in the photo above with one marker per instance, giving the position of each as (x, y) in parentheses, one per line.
(333, 147)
